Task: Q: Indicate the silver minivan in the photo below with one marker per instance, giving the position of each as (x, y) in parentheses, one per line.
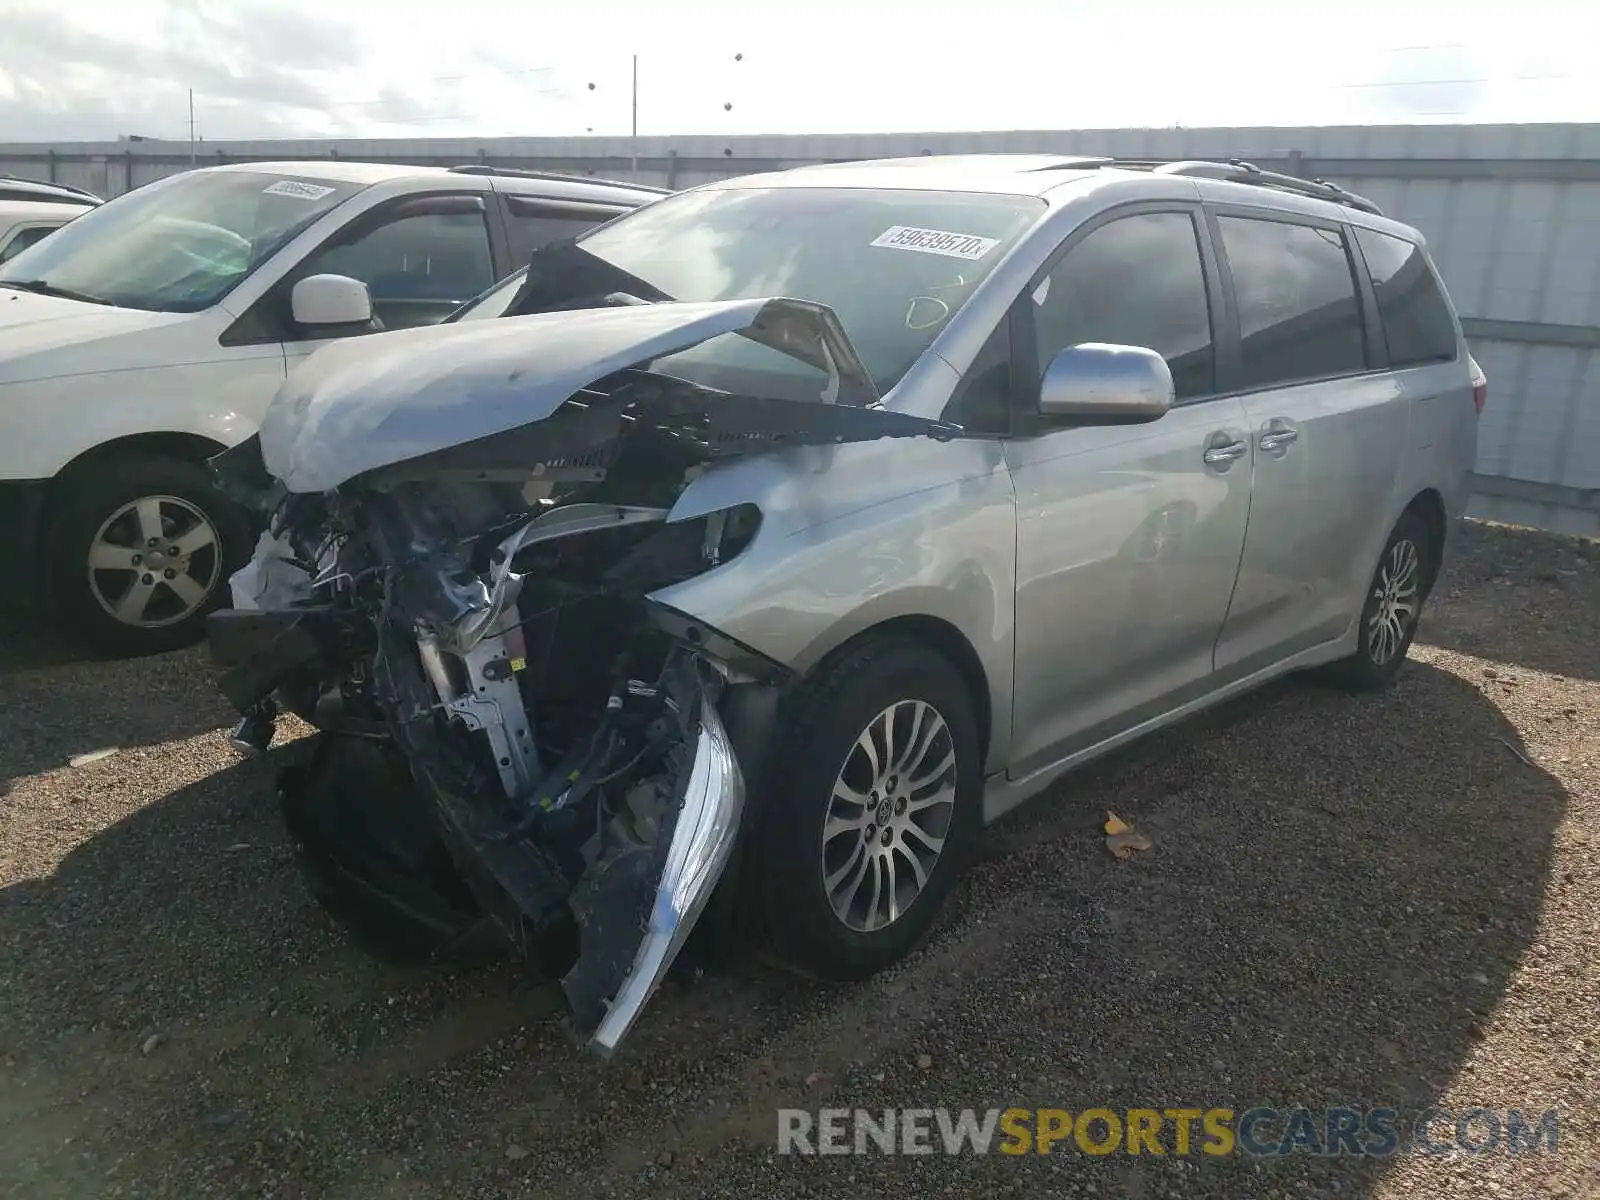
(739, 559)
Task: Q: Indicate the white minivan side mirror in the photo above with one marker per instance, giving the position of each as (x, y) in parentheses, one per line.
(330, 300)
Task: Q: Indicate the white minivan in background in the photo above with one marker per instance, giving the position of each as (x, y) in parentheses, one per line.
(32, 209)
(151, 332)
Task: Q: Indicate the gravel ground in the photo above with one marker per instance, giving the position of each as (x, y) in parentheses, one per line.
(1388, 900)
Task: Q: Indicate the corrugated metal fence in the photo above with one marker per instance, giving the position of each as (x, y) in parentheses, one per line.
(1512, 213)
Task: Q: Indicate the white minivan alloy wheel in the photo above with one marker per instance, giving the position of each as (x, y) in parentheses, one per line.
(154, 561)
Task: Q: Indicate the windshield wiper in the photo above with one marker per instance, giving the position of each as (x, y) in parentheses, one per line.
(42, 288)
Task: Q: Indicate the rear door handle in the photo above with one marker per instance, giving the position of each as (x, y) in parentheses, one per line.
(1221, 456)
(1278, 439)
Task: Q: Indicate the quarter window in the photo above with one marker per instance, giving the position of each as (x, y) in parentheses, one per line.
(1415, 314)
(1136, 281)
(1298, 313)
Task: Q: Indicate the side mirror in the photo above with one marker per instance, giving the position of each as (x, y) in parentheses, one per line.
(1099, 384)
(330, 300)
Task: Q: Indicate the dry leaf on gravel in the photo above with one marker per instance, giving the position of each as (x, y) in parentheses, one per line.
(1123, 839)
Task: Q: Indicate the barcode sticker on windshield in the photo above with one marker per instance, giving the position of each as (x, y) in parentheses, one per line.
(935, 241)
(300, 191)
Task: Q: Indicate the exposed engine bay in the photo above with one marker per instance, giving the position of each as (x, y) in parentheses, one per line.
(518, 747)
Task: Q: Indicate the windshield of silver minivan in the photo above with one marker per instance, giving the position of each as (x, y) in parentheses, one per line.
(894, 265)
(177, 245)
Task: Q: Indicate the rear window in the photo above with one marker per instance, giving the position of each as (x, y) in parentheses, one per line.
(1415, 314)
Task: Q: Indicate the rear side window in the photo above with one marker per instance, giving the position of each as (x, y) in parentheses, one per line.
(1135, 281)
(1298, 313)
(1415, 314)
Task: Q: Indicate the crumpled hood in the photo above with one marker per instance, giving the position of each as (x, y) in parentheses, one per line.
(33, 329)
(373, 401)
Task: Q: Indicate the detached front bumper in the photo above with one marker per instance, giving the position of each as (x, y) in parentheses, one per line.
(634, 913)
(22, 503)
(702, 843)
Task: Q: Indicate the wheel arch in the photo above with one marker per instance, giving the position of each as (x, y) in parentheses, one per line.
(945, 639)
(188, 447)
(1428, 506)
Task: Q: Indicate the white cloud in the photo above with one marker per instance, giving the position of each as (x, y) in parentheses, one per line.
(485, 68)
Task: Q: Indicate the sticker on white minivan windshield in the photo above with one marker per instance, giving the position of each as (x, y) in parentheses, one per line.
(300, 191)
(935, 241)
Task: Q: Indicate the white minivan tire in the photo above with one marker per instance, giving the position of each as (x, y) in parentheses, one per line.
(138, 553)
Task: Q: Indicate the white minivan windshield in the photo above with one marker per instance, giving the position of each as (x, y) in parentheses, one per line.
(177, 245)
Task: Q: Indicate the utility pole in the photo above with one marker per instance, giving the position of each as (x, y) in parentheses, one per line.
(635, 143)
(191, 127)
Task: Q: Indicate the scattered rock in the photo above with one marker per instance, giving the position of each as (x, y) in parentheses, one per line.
(924, 1061)
(92, 756)
(151, 1042)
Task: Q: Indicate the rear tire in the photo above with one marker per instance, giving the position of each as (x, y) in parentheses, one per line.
(139, 553)
(923, 769)
(1395, 596)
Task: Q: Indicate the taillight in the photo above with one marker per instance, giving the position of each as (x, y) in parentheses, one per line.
(1480, 393)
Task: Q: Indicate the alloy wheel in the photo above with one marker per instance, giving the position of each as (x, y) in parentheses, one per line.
(888, 816)
(154, 561)
(1396, 590)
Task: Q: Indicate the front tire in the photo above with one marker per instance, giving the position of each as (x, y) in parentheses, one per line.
(139, 553)
(1395, 596)
(372, 858)
(873, 802)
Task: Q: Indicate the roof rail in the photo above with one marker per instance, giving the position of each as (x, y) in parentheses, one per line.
(555, 176)
(15, 187)
(1077, 162)
(1236, 170)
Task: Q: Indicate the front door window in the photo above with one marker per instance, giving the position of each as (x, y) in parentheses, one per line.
(419, 268)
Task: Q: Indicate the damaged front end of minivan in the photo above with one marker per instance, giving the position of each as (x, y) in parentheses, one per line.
(520, 750)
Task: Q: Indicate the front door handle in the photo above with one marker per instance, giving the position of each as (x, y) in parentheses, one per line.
(1221, 456)
(1278, 439)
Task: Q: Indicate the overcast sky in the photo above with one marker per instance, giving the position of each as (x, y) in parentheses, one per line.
(97, 69)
